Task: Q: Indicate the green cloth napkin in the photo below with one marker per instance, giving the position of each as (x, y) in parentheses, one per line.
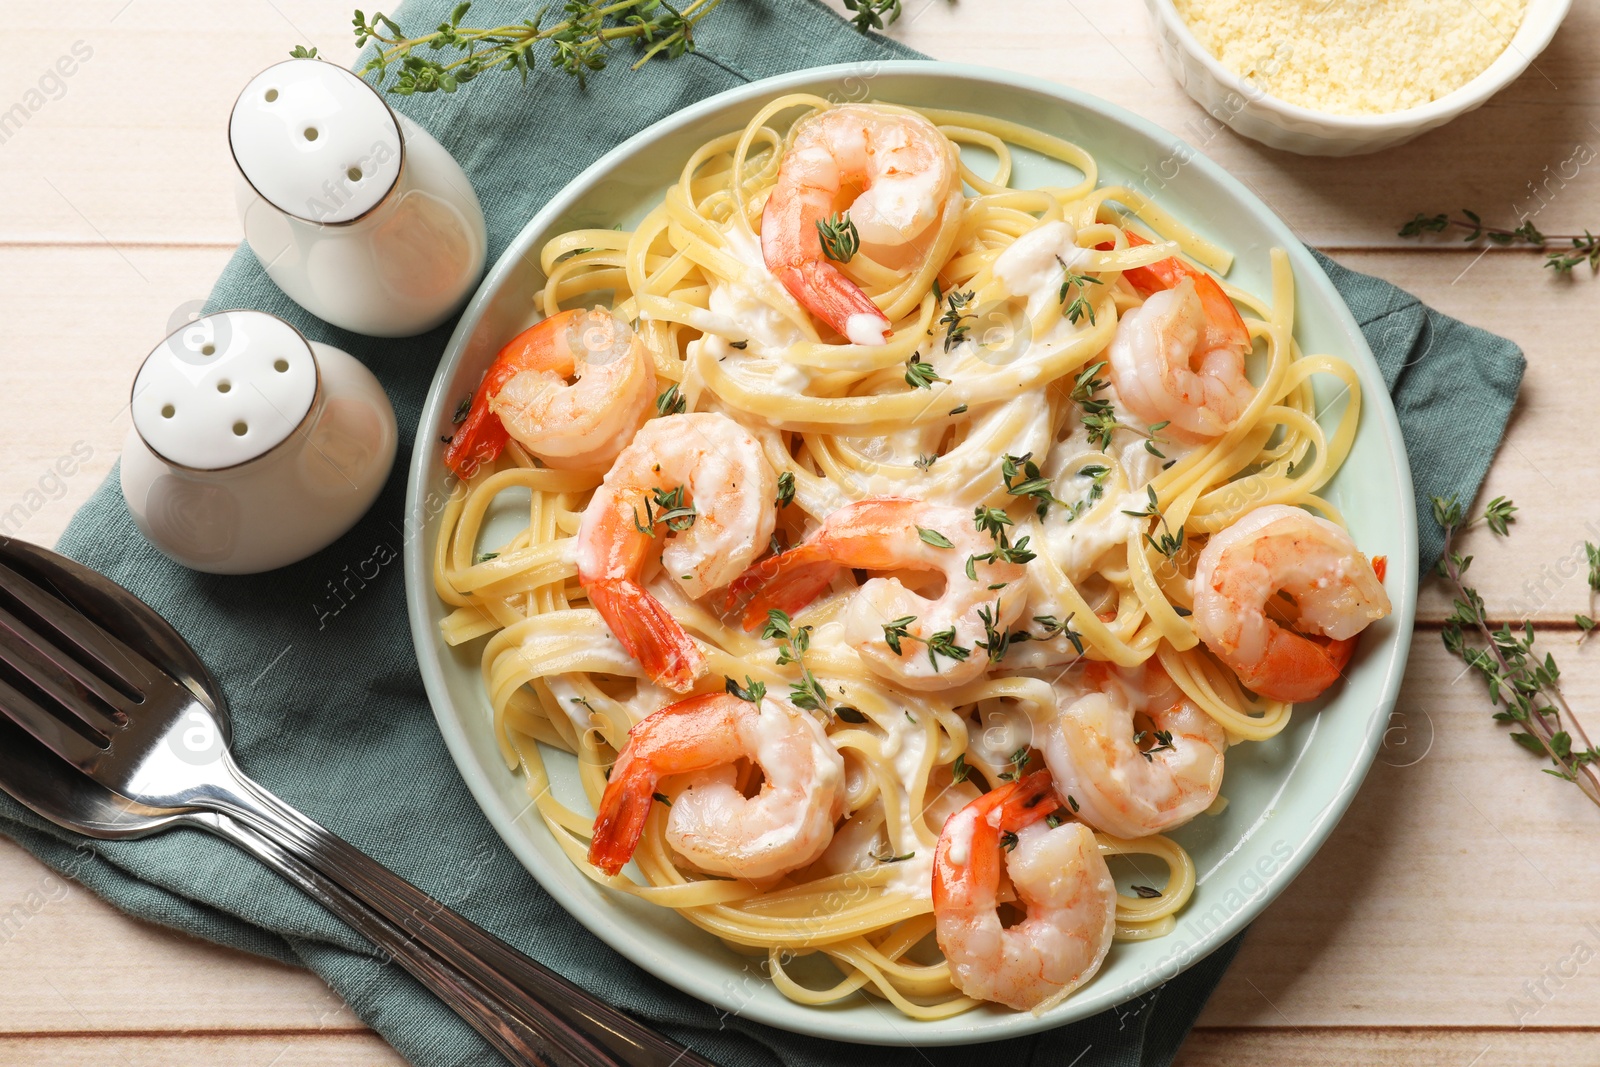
(330, 711)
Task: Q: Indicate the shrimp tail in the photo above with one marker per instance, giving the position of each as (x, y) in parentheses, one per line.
(841, 303)
(619, 824)
(1018, 804)
(648, 633)
(786, 582)
(817, 284)
(1225, 326)
(481, 436)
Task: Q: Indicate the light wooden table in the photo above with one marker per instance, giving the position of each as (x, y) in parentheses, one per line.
(1461, 882)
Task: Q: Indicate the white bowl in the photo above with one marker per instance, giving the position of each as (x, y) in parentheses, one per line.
(1231, 99)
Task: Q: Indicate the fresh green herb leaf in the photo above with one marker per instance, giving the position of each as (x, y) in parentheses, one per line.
(751, 691)
(577, 42)
(671, 402)
(785, 489)
(873, 14)
(955, 316)
(896, 631)
(920, 375)
(934, 538)
(840, 241)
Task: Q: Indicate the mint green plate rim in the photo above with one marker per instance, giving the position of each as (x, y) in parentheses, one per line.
(1246, 855)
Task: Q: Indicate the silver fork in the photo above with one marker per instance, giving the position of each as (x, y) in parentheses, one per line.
(39, 781)
(72, 678)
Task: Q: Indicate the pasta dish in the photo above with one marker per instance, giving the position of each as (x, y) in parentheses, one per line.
(902, 546)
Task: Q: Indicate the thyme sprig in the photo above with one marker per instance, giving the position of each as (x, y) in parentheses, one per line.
(1169, 544)
(793, 644)
(873, 14)
(840, 241)
(1586, 623)
(1526, 688)
(1017, 761)
(1585, 247)
(920, 375)
(1081, 307)
(578, 43)
(673, 511)
(1100, 418)
(955, 315)
(993, 522)
(938, 644)
(671, 402)
(1097, 475)
(1021, 477)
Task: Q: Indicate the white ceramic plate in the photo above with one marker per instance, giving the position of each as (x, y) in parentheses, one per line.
(1285, 795)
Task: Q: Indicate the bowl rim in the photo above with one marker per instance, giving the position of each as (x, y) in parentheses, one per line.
(1389, 661)
(1456, 102)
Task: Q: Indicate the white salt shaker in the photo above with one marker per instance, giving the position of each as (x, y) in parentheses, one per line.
(252, 447)
(355, 211)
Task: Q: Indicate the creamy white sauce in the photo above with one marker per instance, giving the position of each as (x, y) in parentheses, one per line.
(864, 329)
(1032, 266)
(736, 310)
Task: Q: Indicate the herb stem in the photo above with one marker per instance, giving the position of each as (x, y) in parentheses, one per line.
(1583, 773)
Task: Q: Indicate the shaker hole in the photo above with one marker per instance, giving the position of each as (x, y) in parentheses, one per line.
(208, 350)
(223, 387)
(271, 95)
(167, 411)
(280, 365)
(311, 133)
(354, 174)
(240, 429)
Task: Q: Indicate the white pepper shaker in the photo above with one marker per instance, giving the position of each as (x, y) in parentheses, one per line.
(355, 211)
(252, 447)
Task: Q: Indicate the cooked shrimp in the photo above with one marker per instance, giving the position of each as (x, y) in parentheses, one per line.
(1059, 877)
(937, 638)
(907, 171)
(785, 826)
(1179, 358)
(1241, 579)
(526, 394)
(1092, 747)
(707, 481)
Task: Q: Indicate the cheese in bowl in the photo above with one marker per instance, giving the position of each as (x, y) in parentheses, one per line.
(1355, 57)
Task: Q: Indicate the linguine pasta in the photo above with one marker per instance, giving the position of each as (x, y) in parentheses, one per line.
(1011, 372)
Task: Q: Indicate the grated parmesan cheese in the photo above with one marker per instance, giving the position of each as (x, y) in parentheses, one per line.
(1355, 57)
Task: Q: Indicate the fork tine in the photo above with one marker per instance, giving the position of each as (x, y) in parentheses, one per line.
(82, 749)
(108, 657)
(64, 679)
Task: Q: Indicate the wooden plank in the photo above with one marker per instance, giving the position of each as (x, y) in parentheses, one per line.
(113, 151)
(67, 361)
(71, 962)
(1489, 159)
(285, 1049)
(1456, 891)
(1541, 570)
(1399, 1047)
(153, 165)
